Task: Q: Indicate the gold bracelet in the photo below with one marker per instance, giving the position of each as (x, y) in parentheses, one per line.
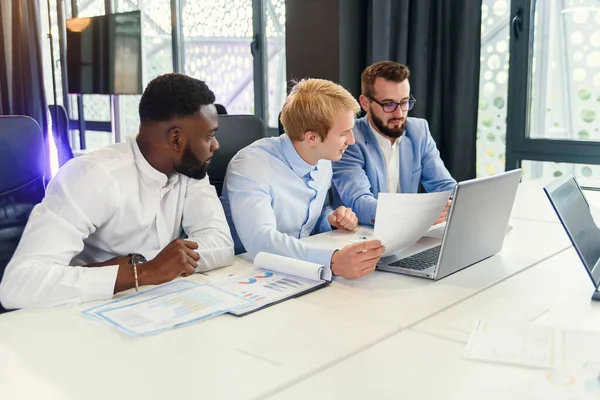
(137, 288)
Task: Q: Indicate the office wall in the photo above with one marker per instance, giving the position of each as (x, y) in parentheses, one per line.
(325, 39)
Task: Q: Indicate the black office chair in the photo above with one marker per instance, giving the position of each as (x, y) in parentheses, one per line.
(235, 132)
(23, 161)
(60, 126)
(221, 110)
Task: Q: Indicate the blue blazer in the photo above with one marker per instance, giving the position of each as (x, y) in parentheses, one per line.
(361, 173)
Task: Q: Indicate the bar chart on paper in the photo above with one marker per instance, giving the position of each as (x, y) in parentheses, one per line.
(264, 287)
(269, 280)
(258, 285)
(252, 296)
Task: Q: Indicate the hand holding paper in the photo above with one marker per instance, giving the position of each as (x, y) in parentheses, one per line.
(356, 260)
(403, 218)
(444, 215)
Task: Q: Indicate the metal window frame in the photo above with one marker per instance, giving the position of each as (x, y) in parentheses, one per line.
(259, 52)
(177, 36)
(519, 145)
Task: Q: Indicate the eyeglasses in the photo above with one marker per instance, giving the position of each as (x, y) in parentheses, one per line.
(391, 106)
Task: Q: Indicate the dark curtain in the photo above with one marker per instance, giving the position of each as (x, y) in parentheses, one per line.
(439, 40)
(4, 94)
(22, 85)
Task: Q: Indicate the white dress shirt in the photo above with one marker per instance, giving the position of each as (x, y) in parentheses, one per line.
(108, 203)
(272, 198)
(391, 158)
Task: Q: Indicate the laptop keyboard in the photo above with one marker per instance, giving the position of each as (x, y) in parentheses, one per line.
(419, 261)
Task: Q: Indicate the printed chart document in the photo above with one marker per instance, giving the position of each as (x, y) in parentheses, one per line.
(167, 306)
(459, 325)
(167, 288)
(526, 345)
(403, 218)
(576, 377)
(275, 279)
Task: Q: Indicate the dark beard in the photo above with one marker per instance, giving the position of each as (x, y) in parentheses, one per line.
(191, 166)
(393, 133)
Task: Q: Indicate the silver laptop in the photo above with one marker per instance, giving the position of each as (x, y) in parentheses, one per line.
(575, 216)
(475, 229)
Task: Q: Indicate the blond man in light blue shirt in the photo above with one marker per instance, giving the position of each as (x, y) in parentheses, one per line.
(276, 190)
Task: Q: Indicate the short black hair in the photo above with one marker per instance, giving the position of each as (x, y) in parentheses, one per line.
(173, 95)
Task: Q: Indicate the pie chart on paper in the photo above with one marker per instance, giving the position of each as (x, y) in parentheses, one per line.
(247, 281)
(265, 274)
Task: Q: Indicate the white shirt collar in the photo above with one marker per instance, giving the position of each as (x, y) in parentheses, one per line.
(384, 141)
(147, 171)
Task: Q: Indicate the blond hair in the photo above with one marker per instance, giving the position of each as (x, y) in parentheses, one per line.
(311, 106)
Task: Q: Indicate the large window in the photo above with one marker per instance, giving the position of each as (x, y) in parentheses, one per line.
(493, 87)
(215, 46)
(553, 94)
(218, 36)
(276, 80)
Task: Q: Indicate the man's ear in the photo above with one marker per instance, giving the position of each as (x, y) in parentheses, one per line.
(364, 102)
(312, 138)
(175, 139)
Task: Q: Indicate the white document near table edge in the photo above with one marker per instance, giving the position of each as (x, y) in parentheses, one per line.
(527, 345)
(403, 218)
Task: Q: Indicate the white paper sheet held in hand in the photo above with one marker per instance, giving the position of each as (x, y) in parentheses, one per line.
(403, 218)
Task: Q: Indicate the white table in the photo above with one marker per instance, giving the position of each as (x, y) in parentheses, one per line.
(556, 292)
(426, 362)
(55, 353)
(404, 301)
(63, 353)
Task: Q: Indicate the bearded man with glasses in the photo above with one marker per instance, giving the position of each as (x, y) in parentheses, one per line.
(393, 153)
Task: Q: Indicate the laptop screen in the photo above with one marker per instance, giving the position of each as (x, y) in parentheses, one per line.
(574, 213)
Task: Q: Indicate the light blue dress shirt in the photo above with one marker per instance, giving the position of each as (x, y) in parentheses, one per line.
(272, 198)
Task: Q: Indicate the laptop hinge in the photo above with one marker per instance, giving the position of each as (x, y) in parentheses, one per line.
(596, 295)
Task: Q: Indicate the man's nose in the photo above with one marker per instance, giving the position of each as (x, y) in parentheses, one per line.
(350, 139)
(398, 112)
(215, 145)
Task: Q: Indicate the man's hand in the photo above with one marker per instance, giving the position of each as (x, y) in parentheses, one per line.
(343, 218)
(178, 258)
(356, 260)
(444, 213)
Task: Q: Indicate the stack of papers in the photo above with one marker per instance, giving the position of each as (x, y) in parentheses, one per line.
(167, 306)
